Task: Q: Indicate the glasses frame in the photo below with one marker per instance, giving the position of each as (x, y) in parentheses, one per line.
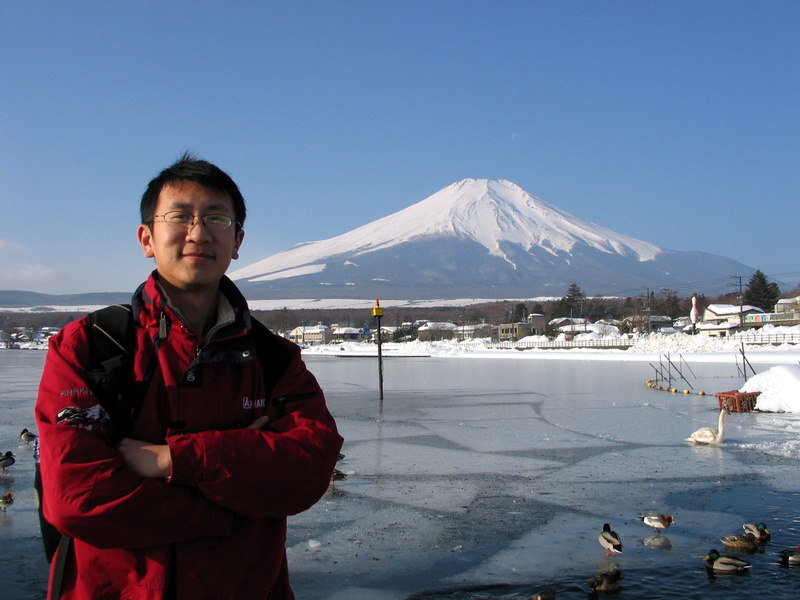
(195, 219)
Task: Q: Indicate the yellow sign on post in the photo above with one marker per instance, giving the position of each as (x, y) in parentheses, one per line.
(377, 311)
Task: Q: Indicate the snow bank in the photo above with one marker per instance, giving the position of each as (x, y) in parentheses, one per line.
(779, 387)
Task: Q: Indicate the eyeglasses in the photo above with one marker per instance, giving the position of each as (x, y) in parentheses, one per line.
(188, 220)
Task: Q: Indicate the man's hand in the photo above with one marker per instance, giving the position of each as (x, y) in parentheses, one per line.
(155, 460)
(259, 422)
(146, 459)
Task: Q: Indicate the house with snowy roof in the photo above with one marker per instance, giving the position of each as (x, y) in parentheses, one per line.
(720, 320)
(434, 331)
(786, 312)
(646, 323)
(310, 335)
(341, 334)
(788, 305)
(473, 332)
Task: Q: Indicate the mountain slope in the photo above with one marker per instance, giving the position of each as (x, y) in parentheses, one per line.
(475, 238)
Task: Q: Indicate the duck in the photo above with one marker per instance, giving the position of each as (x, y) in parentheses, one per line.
(6, 460)
(725, 564)
(708, 435)
(6, 500)
(27, 436)
(741, 543)
(760, 531)
(790, 556)
(610, 541)
(656, 520)
(607, 581)
(545, 595)
(337, 475)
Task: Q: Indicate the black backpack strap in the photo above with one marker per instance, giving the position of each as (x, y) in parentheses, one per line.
(51, 537)
(111, 366)
(275, 358)
(58, 571)
(271, 353)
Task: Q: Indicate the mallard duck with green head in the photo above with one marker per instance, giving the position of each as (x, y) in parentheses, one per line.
(6, 460)
(760, 531)
(27, 436)
(610, 541)
(722, 563)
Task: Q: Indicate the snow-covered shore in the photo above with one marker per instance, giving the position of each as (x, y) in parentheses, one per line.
(778, 379)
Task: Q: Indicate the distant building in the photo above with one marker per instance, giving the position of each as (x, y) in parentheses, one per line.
(387, 334)
(341, 334)
(538, 323)
(310, 335)
(431, 331)
(471, 332)
(646, 323)
(786, 312)
(513, 332)
(721, 320)
(788, 305)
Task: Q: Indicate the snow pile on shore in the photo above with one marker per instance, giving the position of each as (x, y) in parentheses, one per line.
(779, 387)
(659, 343)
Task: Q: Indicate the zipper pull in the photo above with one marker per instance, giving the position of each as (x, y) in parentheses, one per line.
(280, 406)
(162, 327)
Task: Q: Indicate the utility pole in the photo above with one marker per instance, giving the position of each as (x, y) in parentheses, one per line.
(647, 308)
(741, 299)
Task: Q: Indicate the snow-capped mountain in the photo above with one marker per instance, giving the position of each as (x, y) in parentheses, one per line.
(476, 238)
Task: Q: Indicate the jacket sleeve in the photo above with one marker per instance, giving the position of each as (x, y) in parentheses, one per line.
(279, 471)
(88, 491)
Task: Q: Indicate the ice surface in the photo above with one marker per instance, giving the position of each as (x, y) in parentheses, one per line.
(499, 469)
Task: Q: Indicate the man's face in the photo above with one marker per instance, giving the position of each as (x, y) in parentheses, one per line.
(195, 257)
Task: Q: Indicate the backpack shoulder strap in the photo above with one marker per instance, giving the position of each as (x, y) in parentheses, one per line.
(271, 353)
(110, 369)
(275, 357)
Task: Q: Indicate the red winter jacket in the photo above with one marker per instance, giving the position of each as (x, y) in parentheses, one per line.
(217, 527)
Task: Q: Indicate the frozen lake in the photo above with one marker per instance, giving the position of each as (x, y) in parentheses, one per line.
(492, 478)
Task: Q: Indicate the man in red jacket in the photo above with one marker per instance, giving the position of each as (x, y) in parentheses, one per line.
(193, 502)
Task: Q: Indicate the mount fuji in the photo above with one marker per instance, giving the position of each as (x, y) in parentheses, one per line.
(477, 238)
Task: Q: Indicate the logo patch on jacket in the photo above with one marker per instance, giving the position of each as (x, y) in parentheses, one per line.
(73, 415)
(248, 402)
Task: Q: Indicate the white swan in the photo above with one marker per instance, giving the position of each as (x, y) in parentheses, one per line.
(709, 435)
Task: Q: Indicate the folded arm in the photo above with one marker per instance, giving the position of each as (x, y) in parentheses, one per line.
(278, 470)
(90, 491)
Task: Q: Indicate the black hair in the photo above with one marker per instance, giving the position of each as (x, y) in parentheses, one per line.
(190, 168)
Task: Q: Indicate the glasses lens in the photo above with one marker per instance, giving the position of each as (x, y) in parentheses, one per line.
(179, 218)
(218, 221)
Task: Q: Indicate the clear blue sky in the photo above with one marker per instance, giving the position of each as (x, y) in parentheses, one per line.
(675, 122)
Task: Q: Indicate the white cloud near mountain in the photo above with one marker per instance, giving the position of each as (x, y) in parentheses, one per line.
(15, 275)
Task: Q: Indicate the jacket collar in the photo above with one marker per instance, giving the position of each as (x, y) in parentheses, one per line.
(233, 313)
